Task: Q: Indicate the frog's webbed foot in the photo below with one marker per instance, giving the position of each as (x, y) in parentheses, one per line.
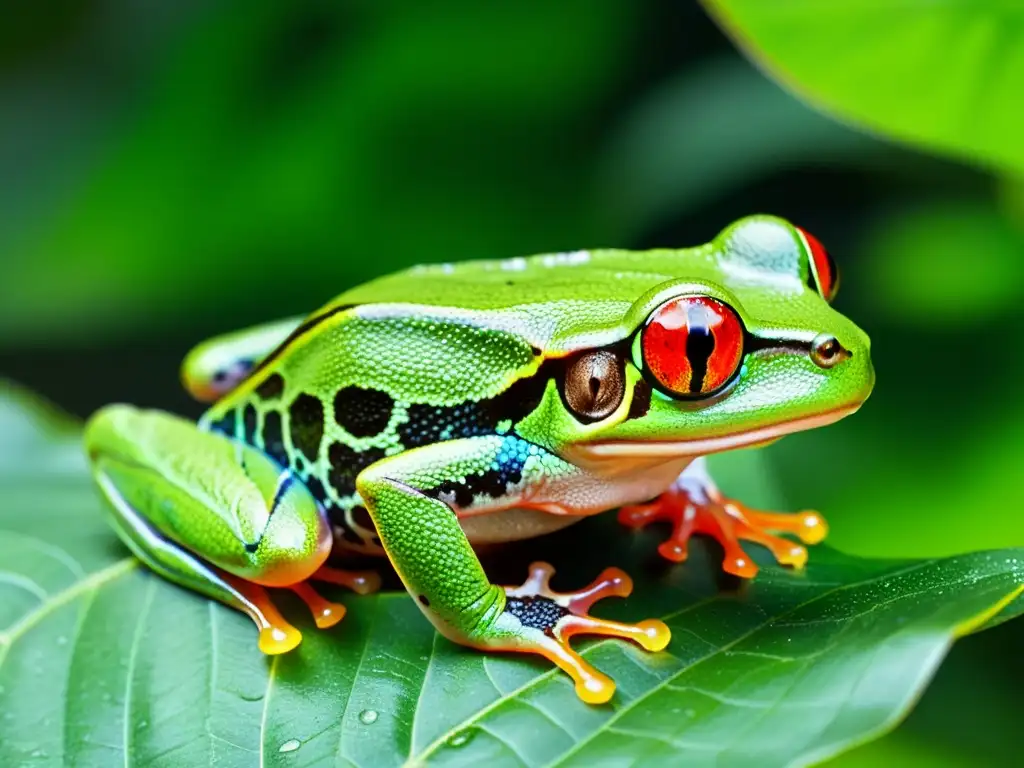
(542, 621)
(694, 505)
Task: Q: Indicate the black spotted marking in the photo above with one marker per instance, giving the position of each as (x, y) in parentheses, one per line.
(272, 387)
(363, 412)
(250, 424)
(251, 546)
(430, 424)
(641, 402)
(424, 601)
(340, 526)
(273, 438)
(346, 464)
(491, 483)
(700, 343)
(335, 514)
(541, 613)
(226, 424)
(306, 425)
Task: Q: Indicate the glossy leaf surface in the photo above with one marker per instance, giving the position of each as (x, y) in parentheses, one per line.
(938, 75)
(103, 664)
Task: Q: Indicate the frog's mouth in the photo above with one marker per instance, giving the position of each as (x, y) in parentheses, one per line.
(618, 456)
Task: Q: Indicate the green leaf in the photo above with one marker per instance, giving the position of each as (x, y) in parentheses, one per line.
(946, 76)
(102, 663)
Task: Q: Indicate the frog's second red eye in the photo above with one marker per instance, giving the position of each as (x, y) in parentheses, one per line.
(824, 275)
(692, 345)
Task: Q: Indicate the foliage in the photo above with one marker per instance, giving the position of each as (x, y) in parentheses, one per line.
(937, 75)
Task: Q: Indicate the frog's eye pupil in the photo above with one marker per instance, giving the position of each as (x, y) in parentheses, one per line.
(824, 274)
(692, 346)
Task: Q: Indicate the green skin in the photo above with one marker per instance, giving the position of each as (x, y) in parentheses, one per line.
(452, 382)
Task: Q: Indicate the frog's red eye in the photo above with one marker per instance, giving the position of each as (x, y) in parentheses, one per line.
(823, 268)
(692, 345)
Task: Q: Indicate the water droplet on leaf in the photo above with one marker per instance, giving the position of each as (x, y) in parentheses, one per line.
(290, 746)
(368, 716)
(460, 739)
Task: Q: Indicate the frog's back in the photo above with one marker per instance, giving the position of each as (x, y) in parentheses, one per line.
(546, 298)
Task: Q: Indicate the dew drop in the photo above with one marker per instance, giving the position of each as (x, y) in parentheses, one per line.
(368, 717)
(290, 746)
(460, 739)
(62, 640)
(37, 753)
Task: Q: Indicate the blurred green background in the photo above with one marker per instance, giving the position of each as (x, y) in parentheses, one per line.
(175, 170)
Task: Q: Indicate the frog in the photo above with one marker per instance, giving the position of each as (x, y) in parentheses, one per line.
(439, 410)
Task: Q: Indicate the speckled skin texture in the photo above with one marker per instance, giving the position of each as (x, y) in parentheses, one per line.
(437, 395)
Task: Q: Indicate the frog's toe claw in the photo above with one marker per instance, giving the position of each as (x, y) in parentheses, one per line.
(547, 620)
(706, 511)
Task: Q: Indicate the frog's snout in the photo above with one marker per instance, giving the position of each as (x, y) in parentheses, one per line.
(849, 354)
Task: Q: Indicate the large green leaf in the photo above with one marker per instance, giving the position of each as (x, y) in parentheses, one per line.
(943, 75)
(102, 663)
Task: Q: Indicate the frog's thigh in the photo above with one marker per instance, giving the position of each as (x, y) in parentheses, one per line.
(218, 365)
(406, 497)
(204, 511)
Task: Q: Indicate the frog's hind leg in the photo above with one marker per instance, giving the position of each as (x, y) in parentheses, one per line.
(180, 566)
(694, 505)
(213, 515)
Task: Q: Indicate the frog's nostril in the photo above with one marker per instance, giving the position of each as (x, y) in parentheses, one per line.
(826, 351)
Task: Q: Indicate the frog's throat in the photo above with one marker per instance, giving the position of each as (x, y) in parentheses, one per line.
(642, 452)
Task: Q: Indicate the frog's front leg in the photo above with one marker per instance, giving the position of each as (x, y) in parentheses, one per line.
(410, 499)
(216, 516)
(220, 364)
(695, 505)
